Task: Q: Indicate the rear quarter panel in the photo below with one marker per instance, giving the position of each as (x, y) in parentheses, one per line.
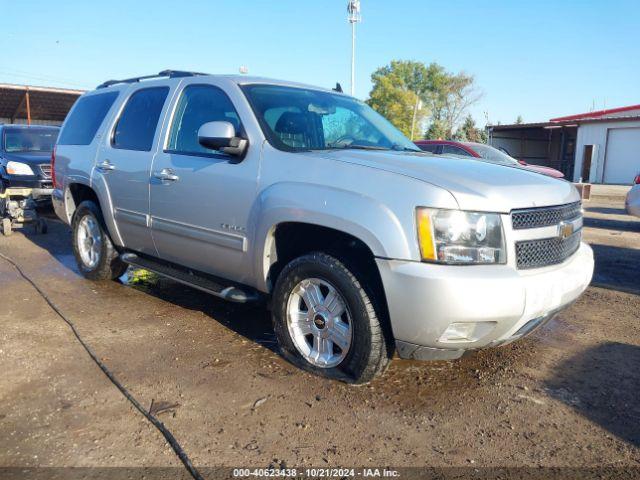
(75, 165)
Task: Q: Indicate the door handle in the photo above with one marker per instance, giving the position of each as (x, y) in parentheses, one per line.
(166, 174)
(106, 166)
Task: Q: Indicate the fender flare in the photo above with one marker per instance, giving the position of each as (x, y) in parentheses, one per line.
(360, 216)
(99, 187)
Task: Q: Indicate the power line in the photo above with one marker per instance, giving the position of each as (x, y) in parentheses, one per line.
(42, 78)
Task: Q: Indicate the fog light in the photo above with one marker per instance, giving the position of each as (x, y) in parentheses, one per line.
(466, 332)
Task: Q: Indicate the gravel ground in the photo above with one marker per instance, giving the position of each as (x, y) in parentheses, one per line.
(567, 396)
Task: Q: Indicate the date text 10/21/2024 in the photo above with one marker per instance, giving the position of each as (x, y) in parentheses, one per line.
(316, 472)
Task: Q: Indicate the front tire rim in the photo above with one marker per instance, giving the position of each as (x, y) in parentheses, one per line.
(319, 323)
(89, 240)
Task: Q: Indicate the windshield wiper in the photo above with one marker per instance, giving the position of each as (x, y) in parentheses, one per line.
(365, 147)
(358, 147)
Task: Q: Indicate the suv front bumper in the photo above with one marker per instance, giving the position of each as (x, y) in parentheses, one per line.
(40, 187)
(503, 303)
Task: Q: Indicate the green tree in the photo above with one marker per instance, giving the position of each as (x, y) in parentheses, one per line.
(519, 120)
(399, 94)
(468, 132)
(402, 86)
(438, 130)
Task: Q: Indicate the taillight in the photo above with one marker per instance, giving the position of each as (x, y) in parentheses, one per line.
(53, 167)
(637, 180)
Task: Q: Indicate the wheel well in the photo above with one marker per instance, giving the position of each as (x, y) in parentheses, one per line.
(78, 193)
(293, 239)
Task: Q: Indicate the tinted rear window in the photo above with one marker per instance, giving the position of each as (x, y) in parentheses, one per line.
(86, 118)
(450, 149)
(428, 147)
(137, 124)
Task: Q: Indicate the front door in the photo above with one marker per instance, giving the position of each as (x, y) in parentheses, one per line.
(200, 198)
(125, 159)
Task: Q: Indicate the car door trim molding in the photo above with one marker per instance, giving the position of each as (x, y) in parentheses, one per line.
(222, 239)
(130, 216)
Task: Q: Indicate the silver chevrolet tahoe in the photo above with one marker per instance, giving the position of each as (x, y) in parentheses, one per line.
(250, 188)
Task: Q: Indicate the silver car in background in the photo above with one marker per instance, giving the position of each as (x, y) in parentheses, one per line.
(632, 202)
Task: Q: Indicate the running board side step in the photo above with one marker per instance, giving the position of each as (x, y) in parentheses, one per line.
(201, 281)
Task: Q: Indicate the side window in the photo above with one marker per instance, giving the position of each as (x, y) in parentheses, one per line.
(429, 147)
(198, 105)
(450, 149)
(86, 118)
(139, 119)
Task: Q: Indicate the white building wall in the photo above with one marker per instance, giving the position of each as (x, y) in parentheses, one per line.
(596, 134)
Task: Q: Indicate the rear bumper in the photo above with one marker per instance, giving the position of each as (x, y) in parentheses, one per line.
(632, 202)
(57, 199)
(633, 209)
(499, 303)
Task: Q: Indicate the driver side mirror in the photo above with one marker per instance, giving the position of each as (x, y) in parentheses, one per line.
(221, 136)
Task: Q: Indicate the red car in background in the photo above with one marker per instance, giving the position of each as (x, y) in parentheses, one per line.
(482, 152)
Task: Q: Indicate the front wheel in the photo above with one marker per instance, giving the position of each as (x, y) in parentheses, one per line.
(325, 320)
(95, 254)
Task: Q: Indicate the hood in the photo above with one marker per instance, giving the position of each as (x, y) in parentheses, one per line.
(479, 186)
(32, 158)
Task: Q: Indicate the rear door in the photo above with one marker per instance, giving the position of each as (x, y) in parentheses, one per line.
(125, 159)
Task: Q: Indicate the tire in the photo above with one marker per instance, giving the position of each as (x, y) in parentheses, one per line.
(366, 354)
(103, 263)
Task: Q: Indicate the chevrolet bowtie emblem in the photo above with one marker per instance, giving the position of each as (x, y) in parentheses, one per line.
(565, 230)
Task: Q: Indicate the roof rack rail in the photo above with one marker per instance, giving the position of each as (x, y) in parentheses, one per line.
(163, 73)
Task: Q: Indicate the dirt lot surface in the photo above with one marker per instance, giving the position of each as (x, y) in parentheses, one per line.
(567, 396)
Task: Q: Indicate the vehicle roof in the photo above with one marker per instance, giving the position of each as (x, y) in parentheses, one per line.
(233, 78)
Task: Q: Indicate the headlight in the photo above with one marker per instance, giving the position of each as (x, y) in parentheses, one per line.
(17, 168)
(457, 237)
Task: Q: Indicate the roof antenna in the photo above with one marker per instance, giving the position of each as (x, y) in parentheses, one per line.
(338, 88)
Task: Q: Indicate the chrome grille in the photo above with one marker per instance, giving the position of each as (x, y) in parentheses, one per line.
(46, 169)
(544, 216)
(546, 251)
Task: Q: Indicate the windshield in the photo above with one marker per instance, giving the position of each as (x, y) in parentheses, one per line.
(21, 140)
(491, 154)
(295, 119)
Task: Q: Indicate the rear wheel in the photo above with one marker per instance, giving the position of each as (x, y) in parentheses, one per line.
(93, 249)
(326, 322)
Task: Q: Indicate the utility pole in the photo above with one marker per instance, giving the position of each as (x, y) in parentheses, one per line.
(26, 96)
(417, 107)
(353, 8)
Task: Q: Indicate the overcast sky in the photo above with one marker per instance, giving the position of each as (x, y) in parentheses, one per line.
(538, 59)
